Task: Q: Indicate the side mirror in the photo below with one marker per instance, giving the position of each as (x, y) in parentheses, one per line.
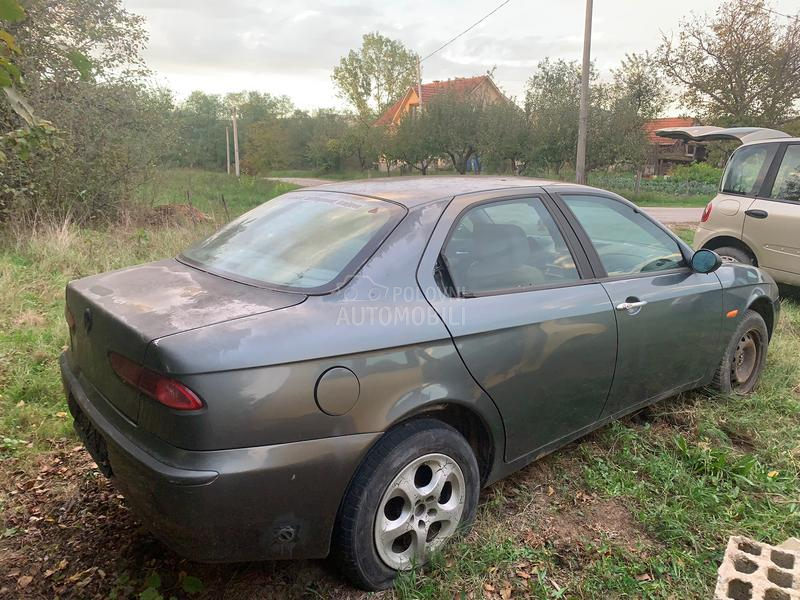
(705, 261)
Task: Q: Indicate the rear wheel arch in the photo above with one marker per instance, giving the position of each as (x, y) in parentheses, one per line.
(724, 241)
(469, 424)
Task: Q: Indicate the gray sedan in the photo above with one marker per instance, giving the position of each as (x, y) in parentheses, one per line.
(340, 370)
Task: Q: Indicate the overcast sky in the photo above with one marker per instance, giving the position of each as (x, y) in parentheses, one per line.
(290, 47)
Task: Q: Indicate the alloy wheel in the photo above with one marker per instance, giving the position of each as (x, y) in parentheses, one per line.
(420, 509)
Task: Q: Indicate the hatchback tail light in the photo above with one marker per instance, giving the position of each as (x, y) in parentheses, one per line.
(707, 212)
(160, 388)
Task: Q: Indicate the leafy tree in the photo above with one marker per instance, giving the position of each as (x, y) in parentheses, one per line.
(640, 80)
(59, 35)
(505, 135)
(415, 142)
(200, 122)
(111, 128)
(265, 146)
(324, 150)
(375, 75)
(455, 126)
(741, 67)
(552, 100)
(361, 140)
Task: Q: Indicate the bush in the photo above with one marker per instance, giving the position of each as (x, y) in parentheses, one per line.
(700, 171)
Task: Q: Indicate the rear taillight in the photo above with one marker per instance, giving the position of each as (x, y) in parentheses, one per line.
(707, 212)
(160, 388)
(70, 318)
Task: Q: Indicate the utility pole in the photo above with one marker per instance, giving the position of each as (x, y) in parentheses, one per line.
(228, 148)
(583, 118)
(419, 82)
(235, 143)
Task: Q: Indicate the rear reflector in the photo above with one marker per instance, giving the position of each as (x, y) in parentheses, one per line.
(160, 388)
(707, 212)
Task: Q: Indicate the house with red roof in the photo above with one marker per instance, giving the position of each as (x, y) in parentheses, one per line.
(665, 153)
(481, 89)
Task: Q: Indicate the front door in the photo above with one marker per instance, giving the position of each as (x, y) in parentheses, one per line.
(772, 222)
(668, 317)
(535, 333)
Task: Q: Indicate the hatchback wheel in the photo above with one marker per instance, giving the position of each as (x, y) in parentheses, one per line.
(734, 255)
(744, 357)
(417, 488)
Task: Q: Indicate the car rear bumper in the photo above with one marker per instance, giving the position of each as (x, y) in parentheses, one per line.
(242, 504)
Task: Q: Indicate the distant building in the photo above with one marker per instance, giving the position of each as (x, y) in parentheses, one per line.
(481, 89)
(665, 153)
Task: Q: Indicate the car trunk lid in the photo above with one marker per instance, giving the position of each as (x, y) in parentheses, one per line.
(709, 133)
(123, 311)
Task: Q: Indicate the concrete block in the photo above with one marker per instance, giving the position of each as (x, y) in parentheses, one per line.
(753, 570)
(792, 543)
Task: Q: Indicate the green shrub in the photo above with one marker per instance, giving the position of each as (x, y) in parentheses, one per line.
(700, 171)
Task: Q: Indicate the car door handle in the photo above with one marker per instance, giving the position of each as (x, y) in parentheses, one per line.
(632, 306)
(757, 213)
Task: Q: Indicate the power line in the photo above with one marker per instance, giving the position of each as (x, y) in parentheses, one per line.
(774, 12)
(468, 29)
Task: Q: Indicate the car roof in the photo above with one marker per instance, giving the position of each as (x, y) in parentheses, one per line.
(415, 191)
(773, 141)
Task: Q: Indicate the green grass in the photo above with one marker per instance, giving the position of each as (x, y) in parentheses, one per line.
(661, 199)
(205, 189)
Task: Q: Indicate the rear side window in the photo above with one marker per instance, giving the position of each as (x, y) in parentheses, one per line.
(626, 241)
(509, 245)
(305, 241)
(787, 181)
(746, 169)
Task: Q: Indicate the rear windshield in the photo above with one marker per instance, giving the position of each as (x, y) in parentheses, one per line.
(747, 168)
(305, 241)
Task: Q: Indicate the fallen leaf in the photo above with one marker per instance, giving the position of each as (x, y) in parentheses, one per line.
(550, 490)
(523, 574)
(488, 587)
(772, 474)
(505, 593)
(644, 577)
(24, 581)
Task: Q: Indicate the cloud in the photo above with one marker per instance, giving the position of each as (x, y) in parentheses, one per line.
(291, 47)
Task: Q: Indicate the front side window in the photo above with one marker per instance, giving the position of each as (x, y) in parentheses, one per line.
(626, 241)
(746, 169)
(506, 246)
(787, 181)
(303, 240)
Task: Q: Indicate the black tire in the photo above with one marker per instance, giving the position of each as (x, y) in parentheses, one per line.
(354, 547)
(731, 254)
(751, 330)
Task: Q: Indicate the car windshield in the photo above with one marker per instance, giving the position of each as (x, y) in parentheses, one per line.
(308, 241)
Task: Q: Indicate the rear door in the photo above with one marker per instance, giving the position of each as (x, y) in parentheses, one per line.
(508, 278)
(772, 222)
(668, 317)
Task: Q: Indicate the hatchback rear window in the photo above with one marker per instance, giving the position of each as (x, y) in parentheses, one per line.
(304, 241)
(746, 169)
